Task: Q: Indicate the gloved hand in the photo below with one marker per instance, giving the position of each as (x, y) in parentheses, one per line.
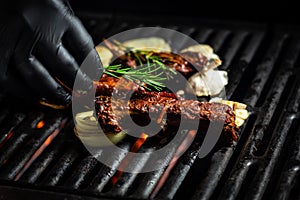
(42, 45)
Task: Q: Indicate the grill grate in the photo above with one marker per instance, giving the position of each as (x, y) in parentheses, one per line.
(263, 65)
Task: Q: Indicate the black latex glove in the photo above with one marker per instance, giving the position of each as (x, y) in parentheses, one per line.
(42, 45)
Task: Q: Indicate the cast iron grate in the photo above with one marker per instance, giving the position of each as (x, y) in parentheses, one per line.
(47, 160)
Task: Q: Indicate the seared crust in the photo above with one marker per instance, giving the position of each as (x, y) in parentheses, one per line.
(111, 112)
(166, 108)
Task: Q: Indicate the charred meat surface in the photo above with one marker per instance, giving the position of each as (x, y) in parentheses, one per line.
(168, 110)
(111, 112)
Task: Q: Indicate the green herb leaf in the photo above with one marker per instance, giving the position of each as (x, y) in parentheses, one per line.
(151, 70)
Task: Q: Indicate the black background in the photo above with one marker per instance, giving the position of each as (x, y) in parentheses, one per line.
(250, 10)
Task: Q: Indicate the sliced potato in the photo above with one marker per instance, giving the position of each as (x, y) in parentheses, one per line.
(105, 55)
(241, 114)
(207, 84)
(234, 104)
(148, 44)
(207, 51)
(238, 121)
(204, 49)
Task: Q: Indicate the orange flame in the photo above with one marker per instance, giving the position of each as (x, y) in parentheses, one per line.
(136, 146)
(180, 150)
(116, 177)
(40, 124)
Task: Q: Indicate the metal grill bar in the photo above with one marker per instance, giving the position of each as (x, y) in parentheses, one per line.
(264, 69)
(147, 183)
(41, 164)
(61, 169)
(126, 180)
(203, 35)
(290, 172)
(10, 169)
(179, 173)
(80, 175)
(217, 39)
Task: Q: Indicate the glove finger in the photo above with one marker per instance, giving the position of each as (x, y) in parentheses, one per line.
(41, 82)
(92, 65)
(61, 64)
(77, 40)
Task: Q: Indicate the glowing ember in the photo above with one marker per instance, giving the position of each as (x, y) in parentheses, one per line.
(181, 149)
(137, 145)
(40, 124)
(40, 150)
(116, 177)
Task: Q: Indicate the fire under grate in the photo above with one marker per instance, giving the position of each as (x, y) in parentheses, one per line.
(41, 157)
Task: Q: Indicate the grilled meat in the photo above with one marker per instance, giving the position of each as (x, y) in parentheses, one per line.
(197, 58)
(108, 85)
(112, 113)
(168, 110)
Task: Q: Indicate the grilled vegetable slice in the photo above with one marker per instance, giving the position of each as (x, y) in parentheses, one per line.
(240, 110)
(87, 129)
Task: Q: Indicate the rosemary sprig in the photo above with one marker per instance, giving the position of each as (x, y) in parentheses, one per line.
(150, 73)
